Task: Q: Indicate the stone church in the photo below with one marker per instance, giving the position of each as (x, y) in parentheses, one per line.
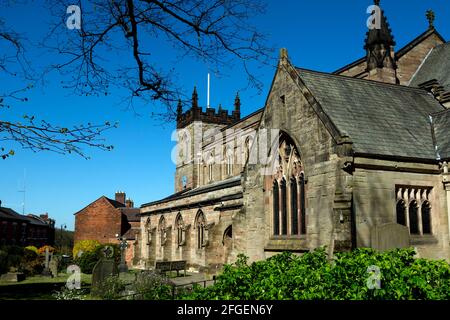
(360, 160)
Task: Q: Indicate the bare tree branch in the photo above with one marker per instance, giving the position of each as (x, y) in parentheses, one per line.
(47, 137)
(217, 32)
(29, 134)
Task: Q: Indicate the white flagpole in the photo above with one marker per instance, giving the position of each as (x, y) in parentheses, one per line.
(207, 102)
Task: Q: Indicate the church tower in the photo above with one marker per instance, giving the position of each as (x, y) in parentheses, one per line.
(191, 127)
(379, 45)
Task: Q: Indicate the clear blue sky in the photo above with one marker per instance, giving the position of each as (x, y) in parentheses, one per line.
(322, 35)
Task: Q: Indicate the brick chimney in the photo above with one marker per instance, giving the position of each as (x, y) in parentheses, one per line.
(129, 203)
(44, 217)
(120, 197)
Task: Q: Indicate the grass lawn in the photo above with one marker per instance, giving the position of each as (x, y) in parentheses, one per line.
(37, 287)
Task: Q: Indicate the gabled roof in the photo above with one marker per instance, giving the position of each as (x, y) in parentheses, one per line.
(416, 41)
(380, 119)
(8, 213)
(436, 66)
(401, 52)
(132, 214)
(113, 203)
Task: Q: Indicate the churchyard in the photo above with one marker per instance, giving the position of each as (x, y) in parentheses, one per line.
(95, 272)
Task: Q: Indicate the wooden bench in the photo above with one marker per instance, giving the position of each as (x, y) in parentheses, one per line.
(164, 266)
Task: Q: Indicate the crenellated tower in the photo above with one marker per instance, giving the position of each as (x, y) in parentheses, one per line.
(191, 126)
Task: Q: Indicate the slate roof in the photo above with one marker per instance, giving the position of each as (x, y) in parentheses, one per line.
(114, 203)
(380, 119)
(441, 126)
(8, 213)
(36, 220)
(132, 214)
(436, 66)
(227, 183)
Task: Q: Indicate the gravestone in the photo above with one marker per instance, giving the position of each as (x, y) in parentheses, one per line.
(53, 267)
(390, 236)
(12, 277)
(47, 271)
(104, 268)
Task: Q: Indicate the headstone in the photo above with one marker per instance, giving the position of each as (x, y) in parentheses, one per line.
(46, 271)
(390, 236)
(123, 264)
(12, 277)
(103, 269)
(53, 267)
(47, 258)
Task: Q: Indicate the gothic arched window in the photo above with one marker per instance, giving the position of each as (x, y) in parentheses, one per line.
(200, 224)
(180, 230)
(413, 219)
(284, 222)
(401, 212)
(148, 230)
(276, 208)
(289, 219)
(302, 204)
(162, 230)
(426, 218)
(294, 206)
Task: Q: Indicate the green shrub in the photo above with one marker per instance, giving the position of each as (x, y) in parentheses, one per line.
(87, 262)
(20, 259)
(32, 248)
(31, 263)
(314, 276)
(84, 246)
(150, 285)
(88, 259)
(110, 288)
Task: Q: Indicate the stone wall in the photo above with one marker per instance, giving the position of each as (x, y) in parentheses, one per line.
(294, 115)
(375, 202)
(358, 70)
(218, 212)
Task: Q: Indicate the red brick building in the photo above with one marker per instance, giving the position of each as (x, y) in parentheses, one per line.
(106, 219)
(25, 230)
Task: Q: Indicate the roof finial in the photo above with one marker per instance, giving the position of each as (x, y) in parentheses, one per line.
(237, 102)
(284, 55)
(430, 17)
(195, 98)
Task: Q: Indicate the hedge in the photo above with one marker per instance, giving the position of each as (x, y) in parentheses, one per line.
(347, 276)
